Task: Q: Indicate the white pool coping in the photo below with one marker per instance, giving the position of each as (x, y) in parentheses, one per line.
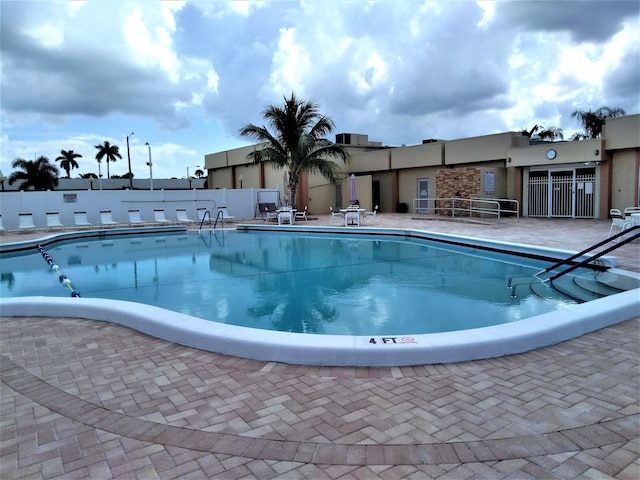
(343, 350)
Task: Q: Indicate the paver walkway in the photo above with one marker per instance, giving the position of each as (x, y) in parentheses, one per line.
(86, 399)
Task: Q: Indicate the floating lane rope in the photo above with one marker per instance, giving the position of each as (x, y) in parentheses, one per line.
(64, 280)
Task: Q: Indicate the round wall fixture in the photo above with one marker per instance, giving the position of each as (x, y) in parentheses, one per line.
(551, 154)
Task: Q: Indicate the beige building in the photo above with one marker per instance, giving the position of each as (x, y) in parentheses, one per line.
(579, 179)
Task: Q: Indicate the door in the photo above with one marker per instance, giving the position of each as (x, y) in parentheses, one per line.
(562, 193)
(423, 195)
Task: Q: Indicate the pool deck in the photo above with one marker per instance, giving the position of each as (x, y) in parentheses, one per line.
(83, 399)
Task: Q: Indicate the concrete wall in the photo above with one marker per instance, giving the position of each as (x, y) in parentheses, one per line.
(239, 203)
(566, 152)
(622, 132)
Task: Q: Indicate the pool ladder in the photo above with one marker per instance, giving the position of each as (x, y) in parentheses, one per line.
(219, 216)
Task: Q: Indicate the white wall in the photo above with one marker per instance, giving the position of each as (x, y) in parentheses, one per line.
(240, 204)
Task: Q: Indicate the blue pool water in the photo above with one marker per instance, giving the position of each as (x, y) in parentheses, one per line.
(292, 282)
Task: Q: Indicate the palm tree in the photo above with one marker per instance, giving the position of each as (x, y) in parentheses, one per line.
(109, 152)
(592, 122)
(551, 133)
(199, 173)
(297, 142)
(37, 174)
(68, 161)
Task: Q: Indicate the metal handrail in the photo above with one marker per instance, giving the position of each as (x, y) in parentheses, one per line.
(600, 254)
(587, 250)
(492, 206)
(204, 215)
(219, 215)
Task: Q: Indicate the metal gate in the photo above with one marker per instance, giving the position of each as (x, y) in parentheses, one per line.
(562, 193)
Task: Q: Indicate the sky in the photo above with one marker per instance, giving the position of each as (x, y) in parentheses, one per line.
(186, 76)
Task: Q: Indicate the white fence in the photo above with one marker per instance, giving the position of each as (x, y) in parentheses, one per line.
(239, 203)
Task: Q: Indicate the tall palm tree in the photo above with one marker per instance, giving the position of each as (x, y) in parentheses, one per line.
(297, 142)
(592, 122)
(67, 161)
(109, 152)
(37, 174)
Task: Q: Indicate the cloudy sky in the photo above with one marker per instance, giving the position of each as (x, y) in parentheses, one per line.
(186, 76)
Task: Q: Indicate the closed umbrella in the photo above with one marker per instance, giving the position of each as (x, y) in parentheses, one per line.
(353, 196)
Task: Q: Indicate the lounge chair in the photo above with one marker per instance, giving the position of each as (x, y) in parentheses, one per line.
(159, 217)
(335, 214)
(302, 214)
(53, 221)
(80, 220)
(181, 216)
(2, 230)
(26, 222)
(135, 219)
(106, 219)
(618, 220)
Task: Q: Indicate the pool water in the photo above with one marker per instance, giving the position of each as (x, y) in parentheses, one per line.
(293, 282)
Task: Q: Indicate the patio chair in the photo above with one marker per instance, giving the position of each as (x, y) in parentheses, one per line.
(285, 215)
(268, 211)
(26, 222)
(181, 216)
(53, 221)
(352, 217)
(135, 219)
(80, 220)
(335, 214)
(159, 217)
(2, 230)
(373, 213)
(106, 219)
(618, 220)
(302, 214)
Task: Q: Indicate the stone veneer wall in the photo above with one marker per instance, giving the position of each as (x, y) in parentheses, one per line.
(457, 183)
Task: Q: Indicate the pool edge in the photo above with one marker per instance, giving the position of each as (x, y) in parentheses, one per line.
(340, 350)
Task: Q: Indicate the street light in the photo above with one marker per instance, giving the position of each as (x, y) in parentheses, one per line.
(150, 168)
(188, 177)
(100, 176)
(129, 158)
(241, 178)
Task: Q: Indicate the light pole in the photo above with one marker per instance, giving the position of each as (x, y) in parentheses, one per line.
(2, 179)
(241, 178)
(188, 177)
(129, 158)
(99, 176)
(150, 168)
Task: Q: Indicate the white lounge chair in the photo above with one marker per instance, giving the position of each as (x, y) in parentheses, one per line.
(302, 214)
(135, 219)
(80, 220)
(181, 216)
(106, 219)
(26, 222)
(2, 230)
(335, 214)
(159, 217)
(53, 221)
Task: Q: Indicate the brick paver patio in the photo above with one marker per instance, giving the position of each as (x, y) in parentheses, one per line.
(86, 399)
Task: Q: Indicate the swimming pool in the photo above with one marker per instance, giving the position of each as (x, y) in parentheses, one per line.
(284, 282)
